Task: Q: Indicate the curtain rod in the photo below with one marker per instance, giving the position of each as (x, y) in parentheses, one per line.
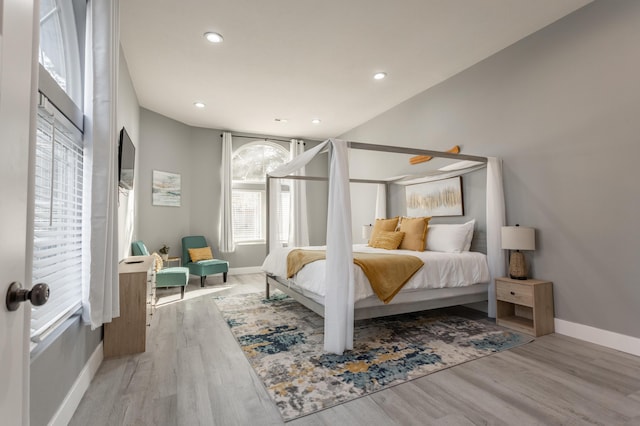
(325, 179)
(263, 138)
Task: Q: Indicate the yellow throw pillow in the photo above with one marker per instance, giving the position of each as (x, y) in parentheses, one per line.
(198, 254)
(383, 225)
(415, 233)
(387, 240)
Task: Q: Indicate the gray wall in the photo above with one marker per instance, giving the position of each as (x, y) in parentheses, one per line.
(195, 153)
(58, 361)
(56, 367)
(164, 146)
(562, 109)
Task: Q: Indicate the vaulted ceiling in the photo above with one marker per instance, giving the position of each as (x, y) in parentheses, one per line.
(297, 60)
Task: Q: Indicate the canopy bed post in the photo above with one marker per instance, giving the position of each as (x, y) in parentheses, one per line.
(267, 229)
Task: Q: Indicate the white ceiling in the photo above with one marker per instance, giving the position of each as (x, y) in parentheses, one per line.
(301, 59)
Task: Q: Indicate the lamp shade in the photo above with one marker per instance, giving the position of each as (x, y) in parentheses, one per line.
(518, 238)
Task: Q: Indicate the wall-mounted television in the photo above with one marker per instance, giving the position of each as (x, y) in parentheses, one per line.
(126, 160)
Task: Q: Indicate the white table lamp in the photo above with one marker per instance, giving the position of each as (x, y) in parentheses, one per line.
(518, 238)
(366, 232)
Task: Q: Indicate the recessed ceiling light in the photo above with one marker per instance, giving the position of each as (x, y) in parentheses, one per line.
(316, 121)
(379, 75)
(213, 37)
(199, 105)
(280, 120)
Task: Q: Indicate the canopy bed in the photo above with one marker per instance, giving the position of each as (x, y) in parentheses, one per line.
(338, 291)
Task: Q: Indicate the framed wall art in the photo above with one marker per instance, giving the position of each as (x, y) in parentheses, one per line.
(437, 198)
(165, 189)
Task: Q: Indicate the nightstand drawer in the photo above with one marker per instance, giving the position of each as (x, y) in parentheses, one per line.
(521, 294)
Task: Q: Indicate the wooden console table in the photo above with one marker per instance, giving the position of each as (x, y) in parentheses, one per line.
(127, 334)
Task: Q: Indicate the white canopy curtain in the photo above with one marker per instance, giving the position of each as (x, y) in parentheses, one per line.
(298, 222)
(338, 308)
(126, 218)
(496, 257)
(275, 192)
(225, 233)
(339, 298)
(381, 201)
(100, 297)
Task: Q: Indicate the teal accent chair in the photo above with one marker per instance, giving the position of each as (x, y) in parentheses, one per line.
(167, 277)
(203, 267)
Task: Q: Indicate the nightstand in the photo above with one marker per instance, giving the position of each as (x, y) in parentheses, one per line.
(525, 305)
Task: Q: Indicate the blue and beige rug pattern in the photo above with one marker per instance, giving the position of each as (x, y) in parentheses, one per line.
(283, 341)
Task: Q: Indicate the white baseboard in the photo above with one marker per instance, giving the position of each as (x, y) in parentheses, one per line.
(245, 270)
(80, 386)
(598, 336)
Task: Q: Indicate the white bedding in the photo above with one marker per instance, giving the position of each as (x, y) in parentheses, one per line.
(440, 270)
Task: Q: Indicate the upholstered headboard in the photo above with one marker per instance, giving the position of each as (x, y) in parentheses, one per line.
(479, 242)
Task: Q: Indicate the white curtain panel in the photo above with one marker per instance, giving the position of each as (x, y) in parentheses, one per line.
(275, 190)
(100, 297)
(339, 299)
(381, 201)
(126, 218)
(298, 219)
(225, 233)
(496, 257)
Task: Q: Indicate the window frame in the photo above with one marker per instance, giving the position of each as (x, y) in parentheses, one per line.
(66, 113)
(71, 35)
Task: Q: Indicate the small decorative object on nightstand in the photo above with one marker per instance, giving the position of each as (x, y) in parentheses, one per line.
(525, 305)
(518, 238)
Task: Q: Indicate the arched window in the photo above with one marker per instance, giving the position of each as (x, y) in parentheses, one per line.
(250, 164)
(59, 51)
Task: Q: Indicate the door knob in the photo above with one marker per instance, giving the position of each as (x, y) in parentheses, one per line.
(38, 295)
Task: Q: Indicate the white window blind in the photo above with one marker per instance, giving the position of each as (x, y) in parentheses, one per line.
(248, 220)
(57, 247)
(247, 215)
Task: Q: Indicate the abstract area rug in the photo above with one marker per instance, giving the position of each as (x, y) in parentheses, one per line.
(283, 341)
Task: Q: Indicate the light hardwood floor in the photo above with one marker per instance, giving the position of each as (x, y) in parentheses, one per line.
(194, 373)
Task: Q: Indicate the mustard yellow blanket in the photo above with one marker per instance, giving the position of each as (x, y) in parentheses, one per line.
(387, 273)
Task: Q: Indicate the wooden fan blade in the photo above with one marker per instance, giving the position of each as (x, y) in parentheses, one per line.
(419, 159)
(424, 158)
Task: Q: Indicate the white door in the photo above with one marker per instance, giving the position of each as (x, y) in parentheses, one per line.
(16, 96)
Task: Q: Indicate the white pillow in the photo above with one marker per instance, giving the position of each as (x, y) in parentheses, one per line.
(450, 238)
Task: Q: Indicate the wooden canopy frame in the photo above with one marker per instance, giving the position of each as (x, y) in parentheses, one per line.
(436, 298)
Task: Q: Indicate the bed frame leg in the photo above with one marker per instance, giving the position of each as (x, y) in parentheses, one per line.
(266, 283)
